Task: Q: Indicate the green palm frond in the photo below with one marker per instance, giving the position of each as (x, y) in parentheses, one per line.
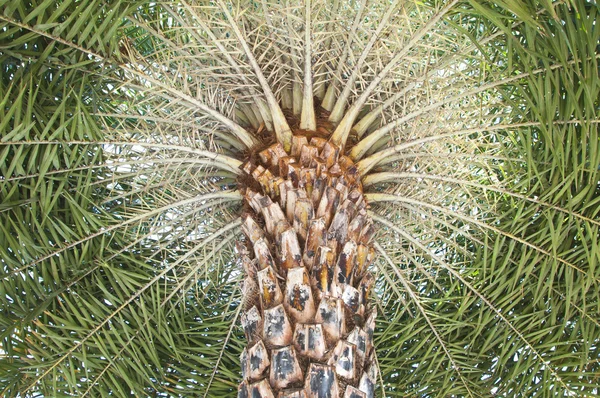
(123, 128)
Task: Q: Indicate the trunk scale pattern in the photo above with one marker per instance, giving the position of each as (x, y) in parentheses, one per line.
(306, 315)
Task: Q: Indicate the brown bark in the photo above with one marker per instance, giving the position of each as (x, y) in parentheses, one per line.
(306, 315)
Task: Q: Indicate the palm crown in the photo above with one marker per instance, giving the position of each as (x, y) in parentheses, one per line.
(125, 126)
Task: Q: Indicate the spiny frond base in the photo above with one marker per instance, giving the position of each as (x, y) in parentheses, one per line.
(307, 316)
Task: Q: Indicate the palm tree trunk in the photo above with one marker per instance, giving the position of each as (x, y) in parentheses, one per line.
(306, 316)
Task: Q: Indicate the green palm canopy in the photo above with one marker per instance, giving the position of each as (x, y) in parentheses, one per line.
(123, 125)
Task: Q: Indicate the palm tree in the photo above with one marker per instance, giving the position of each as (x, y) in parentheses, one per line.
(358, 198)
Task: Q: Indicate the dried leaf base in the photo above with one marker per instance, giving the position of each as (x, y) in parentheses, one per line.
(307, 316)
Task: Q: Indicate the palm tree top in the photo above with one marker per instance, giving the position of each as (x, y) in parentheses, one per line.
(125, 128)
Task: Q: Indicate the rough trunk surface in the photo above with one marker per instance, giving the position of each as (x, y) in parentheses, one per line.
(306, 314)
